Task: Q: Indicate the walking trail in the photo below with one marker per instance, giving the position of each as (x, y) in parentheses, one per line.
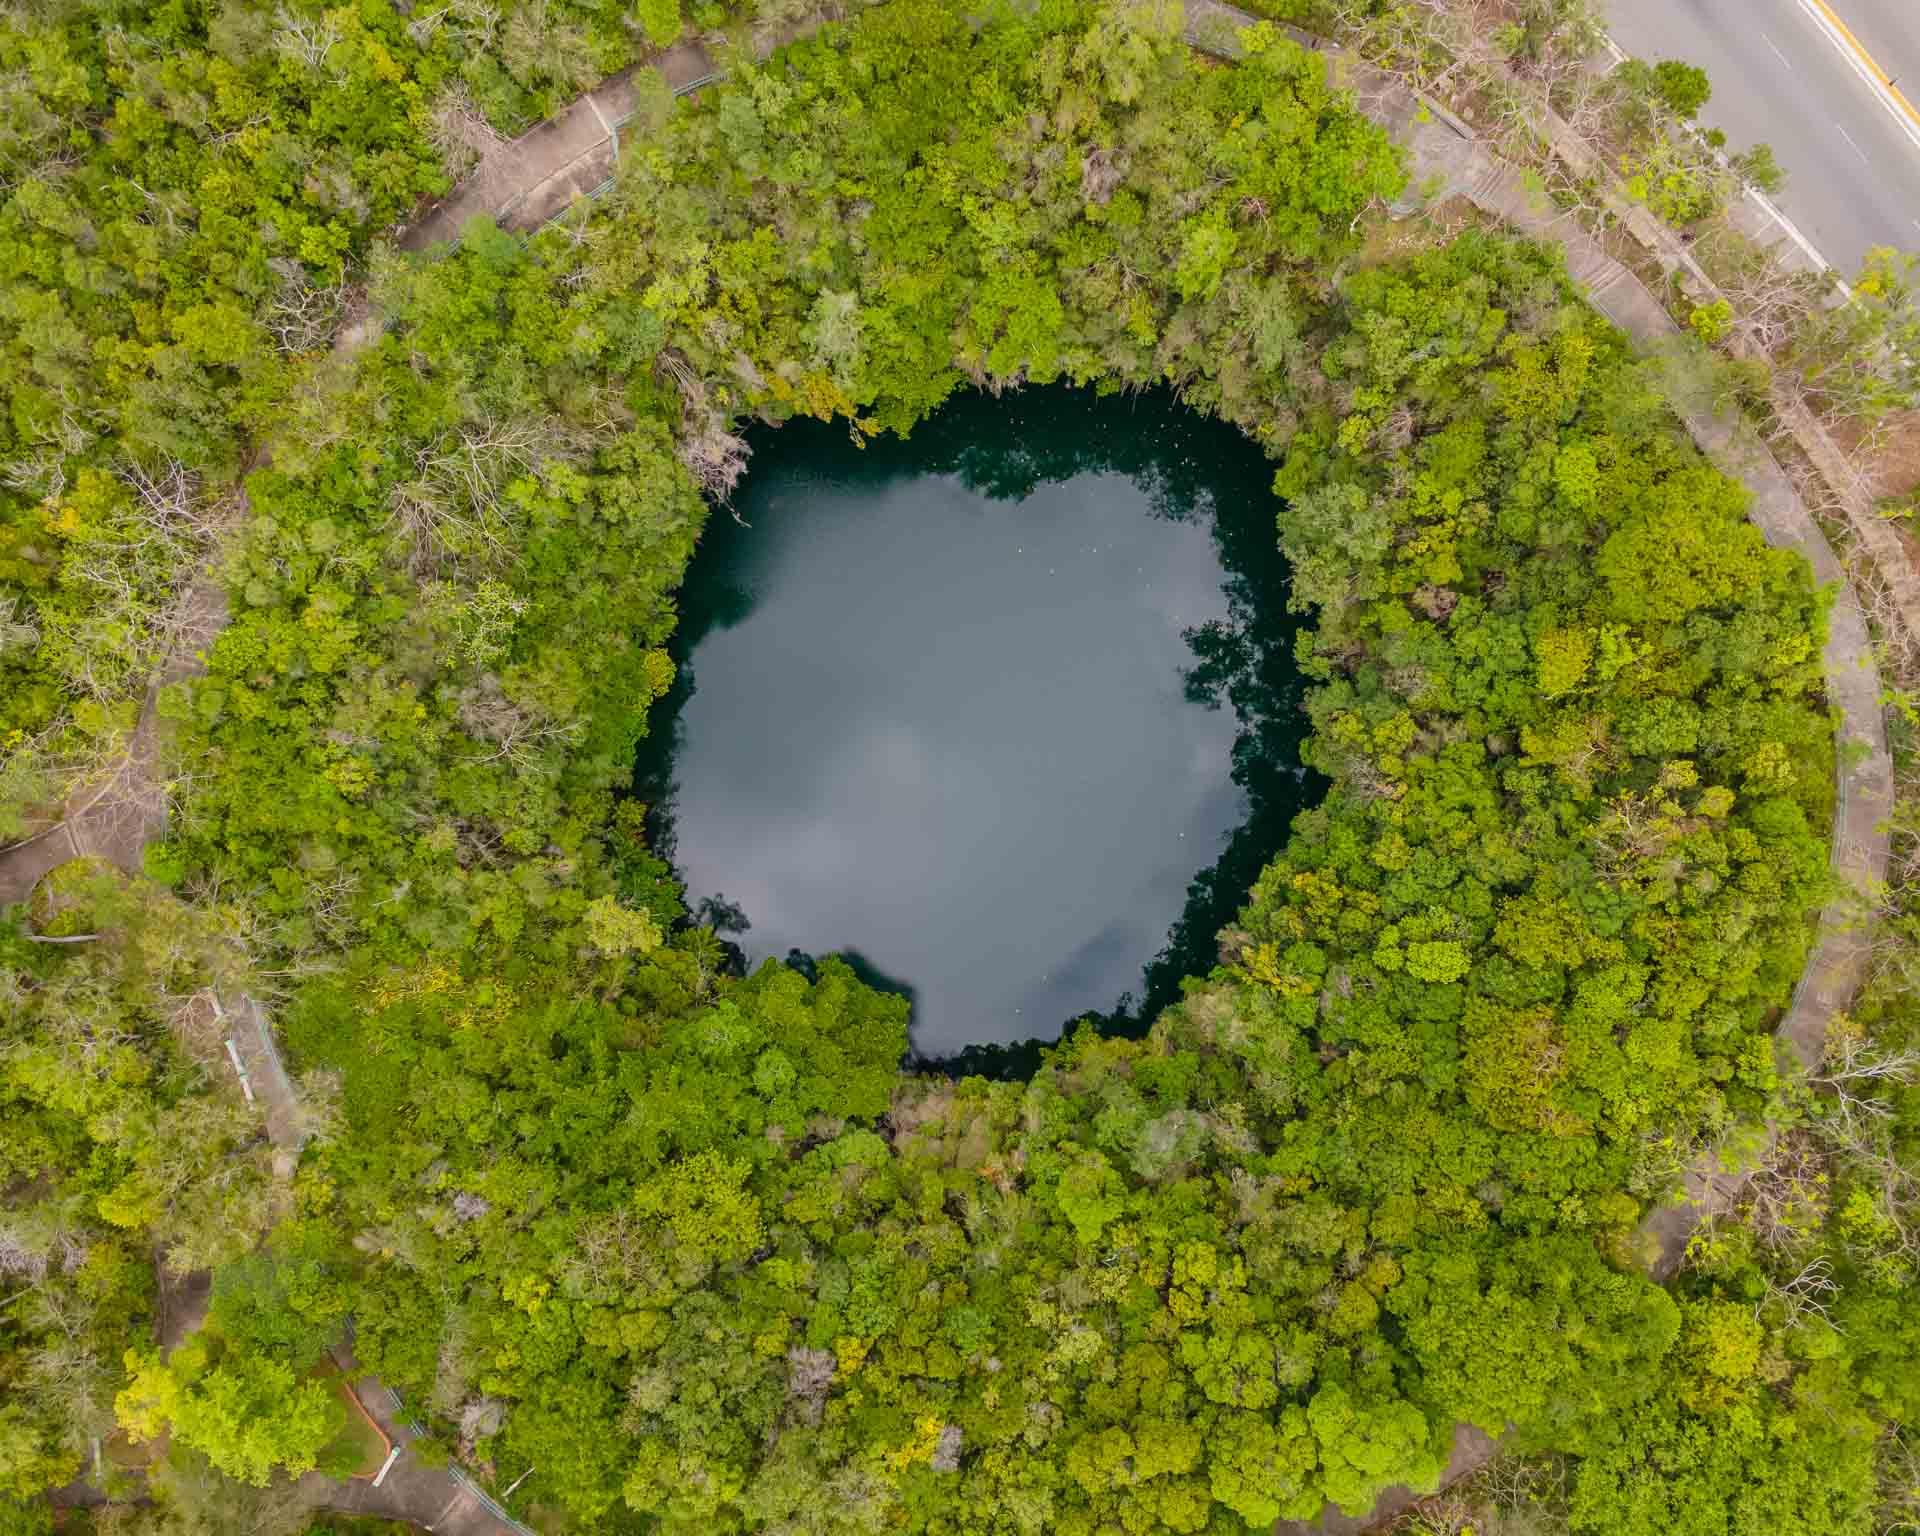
(531, 180)
(538, 175)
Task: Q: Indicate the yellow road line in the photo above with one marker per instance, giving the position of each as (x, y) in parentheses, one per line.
(1872, 65)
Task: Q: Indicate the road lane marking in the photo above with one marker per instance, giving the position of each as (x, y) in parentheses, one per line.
(1776, 51)
(1820, 263)
(1884, 90)
(1855, 147)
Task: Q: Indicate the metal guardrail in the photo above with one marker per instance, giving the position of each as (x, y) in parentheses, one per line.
(481, 1496)
(613, 135)
(613, 132)
(487, 1502)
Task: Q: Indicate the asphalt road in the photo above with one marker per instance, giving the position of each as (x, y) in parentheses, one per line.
(1890, 29)
(1853, 176)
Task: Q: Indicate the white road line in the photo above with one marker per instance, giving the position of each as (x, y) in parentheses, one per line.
(1855, 147)
(1776, 51)
(1880, 93)
(1793, 233)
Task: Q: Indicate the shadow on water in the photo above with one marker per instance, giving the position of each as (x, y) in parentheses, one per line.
(864, 970)
(1190, 469)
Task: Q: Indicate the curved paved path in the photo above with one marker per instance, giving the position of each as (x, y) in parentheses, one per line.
(540, 174)
(1454, 164)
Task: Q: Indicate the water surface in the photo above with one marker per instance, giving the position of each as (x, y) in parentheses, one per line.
(989, 710)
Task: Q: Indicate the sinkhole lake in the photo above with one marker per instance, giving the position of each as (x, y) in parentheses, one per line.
(1005, 712)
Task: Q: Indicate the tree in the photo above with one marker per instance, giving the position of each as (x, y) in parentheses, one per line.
(248, 1414)
(1681, 88)
(1858, 359)
(1362, 1449)
(1262, 1469)
(660, 20)
(705, 1207)
(1758, 168)
(1090, 1195)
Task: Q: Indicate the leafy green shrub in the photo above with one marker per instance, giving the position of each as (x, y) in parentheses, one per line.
(1682, 88)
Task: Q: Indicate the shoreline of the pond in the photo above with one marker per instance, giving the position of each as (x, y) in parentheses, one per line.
(1191, 472)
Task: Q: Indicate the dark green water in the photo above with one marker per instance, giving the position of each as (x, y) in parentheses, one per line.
(1005, 712)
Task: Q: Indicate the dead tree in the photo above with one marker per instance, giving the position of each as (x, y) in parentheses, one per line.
(712, 452)
(303, 315)
(306, 42)
(460, 133)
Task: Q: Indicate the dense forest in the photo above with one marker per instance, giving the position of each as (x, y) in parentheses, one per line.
(671, 1250)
